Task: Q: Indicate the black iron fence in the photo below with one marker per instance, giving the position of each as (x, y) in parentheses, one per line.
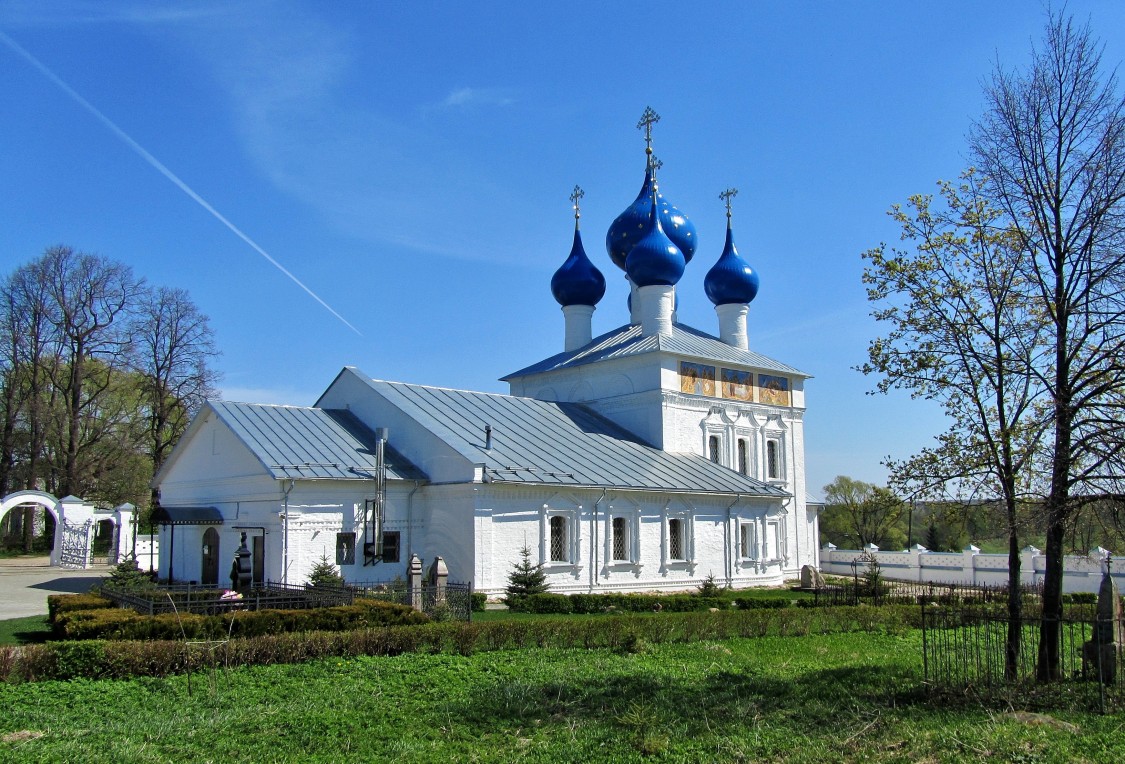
(451, 602)
(882, 591)
(965, 649)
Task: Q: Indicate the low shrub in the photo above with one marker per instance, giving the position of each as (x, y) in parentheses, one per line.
(749, 603)
(479, 600)
(63, 603)
(623, 633)
(115, 624)
(543, 603)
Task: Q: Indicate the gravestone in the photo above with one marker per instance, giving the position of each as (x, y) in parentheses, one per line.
(241, 572)
(1100, 653)
(811, 578)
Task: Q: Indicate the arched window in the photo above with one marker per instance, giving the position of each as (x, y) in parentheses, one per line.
(559, 539)
(742, 456)
(713, 448)
(773, 463)
(676, 539)
(620, 539)
(209, 575)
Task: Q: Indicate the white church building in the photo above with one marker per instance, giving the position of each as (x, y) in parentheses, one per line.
(648, 458)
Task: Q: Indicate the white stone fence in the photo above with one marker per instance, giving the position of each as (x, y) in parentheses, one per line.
(1081, 573)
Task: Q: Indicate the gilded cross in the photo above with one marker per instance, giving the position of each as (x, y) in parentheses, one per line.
(575, 198)
(648, 119)
(726, 196)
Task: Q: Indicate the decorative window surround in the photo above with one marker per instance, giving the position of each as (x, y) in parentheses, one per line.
(684, 520)
(630, 515)
(571, 541)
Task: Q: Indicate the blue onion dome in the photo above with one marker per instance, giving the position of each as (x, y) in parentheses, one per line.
(577, 281)
(629, 226)
(655, 259)
(731, 279)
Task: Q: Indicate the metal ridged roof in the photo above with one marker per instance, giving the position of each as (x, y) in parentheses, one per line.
(628, 341)
(553, 443)
(310, 443)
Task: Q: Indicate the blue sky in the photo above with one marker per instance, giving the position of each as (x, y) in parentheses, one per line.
(409, 163)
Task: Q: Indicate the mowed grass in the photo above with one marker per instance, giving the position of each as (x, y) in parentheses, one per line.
(819, 699)
(22, 631)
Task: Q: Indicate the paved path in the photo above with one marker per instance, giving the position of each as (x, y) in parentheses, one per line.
(25, 583)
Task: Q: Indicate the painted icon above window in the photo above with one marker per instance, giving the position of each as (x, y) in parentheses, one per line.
(773, 390)
(697, 378)
(738, 385)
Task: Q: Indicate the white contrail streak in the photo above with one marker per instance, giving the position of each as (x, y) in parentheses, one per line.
(159, 167)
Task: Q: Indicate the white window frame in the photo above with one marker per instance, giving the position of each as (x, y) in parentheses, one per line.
(685, 516)
(747, 540)
(778, 440)
(632, 518)
(742, 455)
(572, 543)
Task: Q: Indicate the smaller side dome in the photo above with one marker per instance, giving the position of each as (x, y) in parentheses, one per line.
(731, 279)
(655, 259)
(577, 281)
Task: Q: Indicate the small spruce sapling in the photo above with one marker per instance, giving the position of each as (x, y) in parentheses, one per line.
(128, 577)
(526, 579)
(324, 573)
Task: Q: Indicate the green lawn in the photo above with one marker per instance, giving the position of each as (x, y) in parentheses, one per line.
(820, 699)
(22, 631)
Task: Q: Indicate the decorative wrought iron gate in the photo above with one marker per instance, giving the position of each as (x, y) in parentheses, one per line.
(75, 551)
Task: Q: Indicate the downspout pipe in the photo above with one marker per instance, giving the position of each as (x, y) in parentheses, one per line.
(594, 542)
(727, 542)
(285, 533)
(410, 521)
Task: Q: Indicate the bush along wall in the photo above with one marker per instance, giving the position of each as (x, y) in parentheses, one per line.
(117, 624)
(123, 659)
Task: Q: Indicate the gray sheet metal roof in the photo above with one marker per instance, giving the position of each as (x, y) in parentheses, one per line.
(310, 443)
(545, 442)
(627, 341)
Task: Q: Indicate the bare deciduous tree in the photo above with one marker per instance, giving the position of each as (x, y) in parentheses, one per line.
(1051, 147)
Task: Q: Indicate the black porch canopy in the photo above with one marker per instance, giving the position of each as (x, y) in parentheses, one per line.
(187, 516)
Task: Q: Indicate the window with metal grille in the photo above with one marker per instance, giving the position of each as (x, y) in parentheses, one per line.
(744, 545)
(391, 541)
(558, 540)
(773, 467)
(742, 456)
(676, 539)
(620, 539)
(713, 448)
(345, 549)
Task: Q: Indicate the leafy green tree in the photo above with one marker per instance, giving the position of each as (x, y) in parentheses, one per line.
(526, 578)
(961, 331)
(1051, 146)
(857, 514)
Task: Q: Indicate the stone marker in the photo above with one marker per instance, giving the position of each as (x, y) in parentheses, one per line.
(811, 578)
(1100, 654)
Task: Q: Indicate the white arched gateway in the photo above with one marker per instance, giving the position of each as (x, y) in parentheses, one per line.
(75, 523)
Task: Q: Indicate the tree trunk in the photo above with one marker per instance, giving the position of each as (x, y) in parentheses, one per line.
(1015, 601)
(1050, 625)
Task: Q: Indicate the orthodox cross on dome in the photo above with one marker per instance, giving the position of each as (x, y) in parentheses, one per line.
(726, 196)
(647, 120)
(575, 199)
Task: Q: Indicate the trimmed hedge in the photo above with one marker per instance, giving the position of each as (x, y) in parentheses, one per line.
(478, 602)
(119, 624)
(65, 603)
(607, 603)
(108, 659)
